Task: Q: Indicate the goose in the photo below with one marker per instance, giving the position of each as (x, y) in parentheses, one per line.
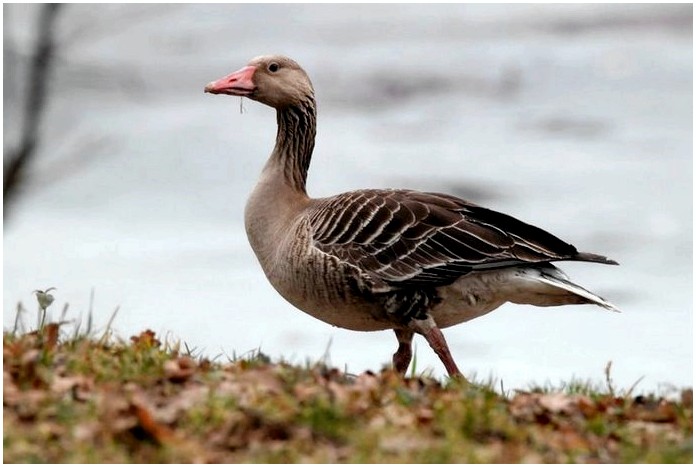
(379, 259)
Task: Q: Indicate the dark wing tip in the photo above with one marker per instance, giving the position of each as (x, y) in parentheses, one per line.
(593, 258)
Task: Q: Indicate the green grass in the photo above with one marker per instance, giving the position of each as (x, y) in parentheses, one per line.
(86, 397)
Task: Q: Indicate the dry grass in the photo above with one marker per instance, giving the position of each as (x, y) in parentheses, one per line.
(76, 398)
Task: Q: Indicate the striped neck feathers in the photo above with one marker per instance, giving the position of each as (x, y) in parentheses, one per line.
(297, 128)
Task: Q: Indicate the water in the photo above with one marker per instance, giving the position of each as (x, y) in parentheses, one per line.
(575, 118)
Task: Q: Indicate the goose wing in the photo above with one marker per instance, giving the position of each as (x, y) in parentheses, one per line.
(411, 238)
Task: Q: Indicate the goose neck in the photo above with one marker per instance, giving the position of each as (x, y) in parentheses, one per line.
(297, 126)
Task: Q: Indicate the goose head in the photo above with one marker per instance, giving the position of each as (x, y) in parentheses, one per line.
(274, 80)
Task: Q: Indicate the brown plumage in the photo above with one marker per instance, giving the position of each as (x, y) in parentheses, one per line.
(368, 260)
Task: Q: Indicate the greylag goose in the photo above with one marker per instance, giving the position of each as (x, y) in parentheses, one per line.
(379, 259)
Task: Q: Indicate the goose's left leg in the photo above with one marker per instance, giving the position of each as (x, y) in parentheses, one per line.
(428, 329)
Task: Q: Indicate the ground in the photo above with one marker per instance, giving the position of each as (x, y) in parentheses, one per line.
(87, 398)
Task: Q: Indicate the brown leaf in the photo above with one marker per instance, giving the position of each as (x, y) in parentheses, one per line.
(424, 415)
(29, 403)
(178, 405)
(340, 393)
(80, 386)
(556, 402)
(542, 407)
(587, 407)
(11, 394)
(522, 406)
(50, 335)
(304, 391)
(652, 410)
(179, 369)
(146, 339)
(648, 432)
(115, 409)
(398, 415)
(30, 357)
(665, 412)
(158, 432)
(28, 371)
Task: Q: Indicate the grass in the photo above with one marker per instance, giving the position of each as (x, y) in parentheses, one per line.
(85, 397)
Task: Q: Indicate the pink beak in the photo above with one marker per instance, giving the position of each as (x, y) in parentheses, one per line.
(238, 83)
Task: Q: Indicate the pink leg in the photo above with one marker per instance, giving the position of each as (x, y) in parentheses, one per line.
(402, 356)
(428, 329)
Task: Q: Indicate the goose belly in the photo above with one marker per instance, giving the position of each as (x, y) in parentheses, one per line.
(469, 297)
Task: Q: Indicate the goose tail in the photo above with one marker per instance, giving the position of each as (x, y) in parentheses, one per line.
(547, 285)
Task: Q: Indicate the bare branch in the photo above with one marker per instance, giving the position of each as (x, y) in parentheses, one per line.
(40, 68)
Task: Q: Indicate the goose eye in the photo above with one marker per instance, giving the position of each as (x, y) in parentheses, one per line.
(273, 67)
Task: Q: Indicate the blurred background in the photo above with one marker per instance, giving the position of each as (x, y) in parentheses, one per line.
(123, 178)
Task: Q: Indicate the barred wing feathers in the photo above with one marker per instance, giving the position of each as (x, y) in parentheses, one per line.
(411, 238)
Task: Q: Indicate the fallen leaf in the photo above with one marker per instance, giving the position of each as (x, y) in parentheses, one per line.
(146, 339)
(62, 384)
(50, 334)
(179, 369)
(158, 432)
(587, 407)
(424, 415)
(178, 405)
(558, 403)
